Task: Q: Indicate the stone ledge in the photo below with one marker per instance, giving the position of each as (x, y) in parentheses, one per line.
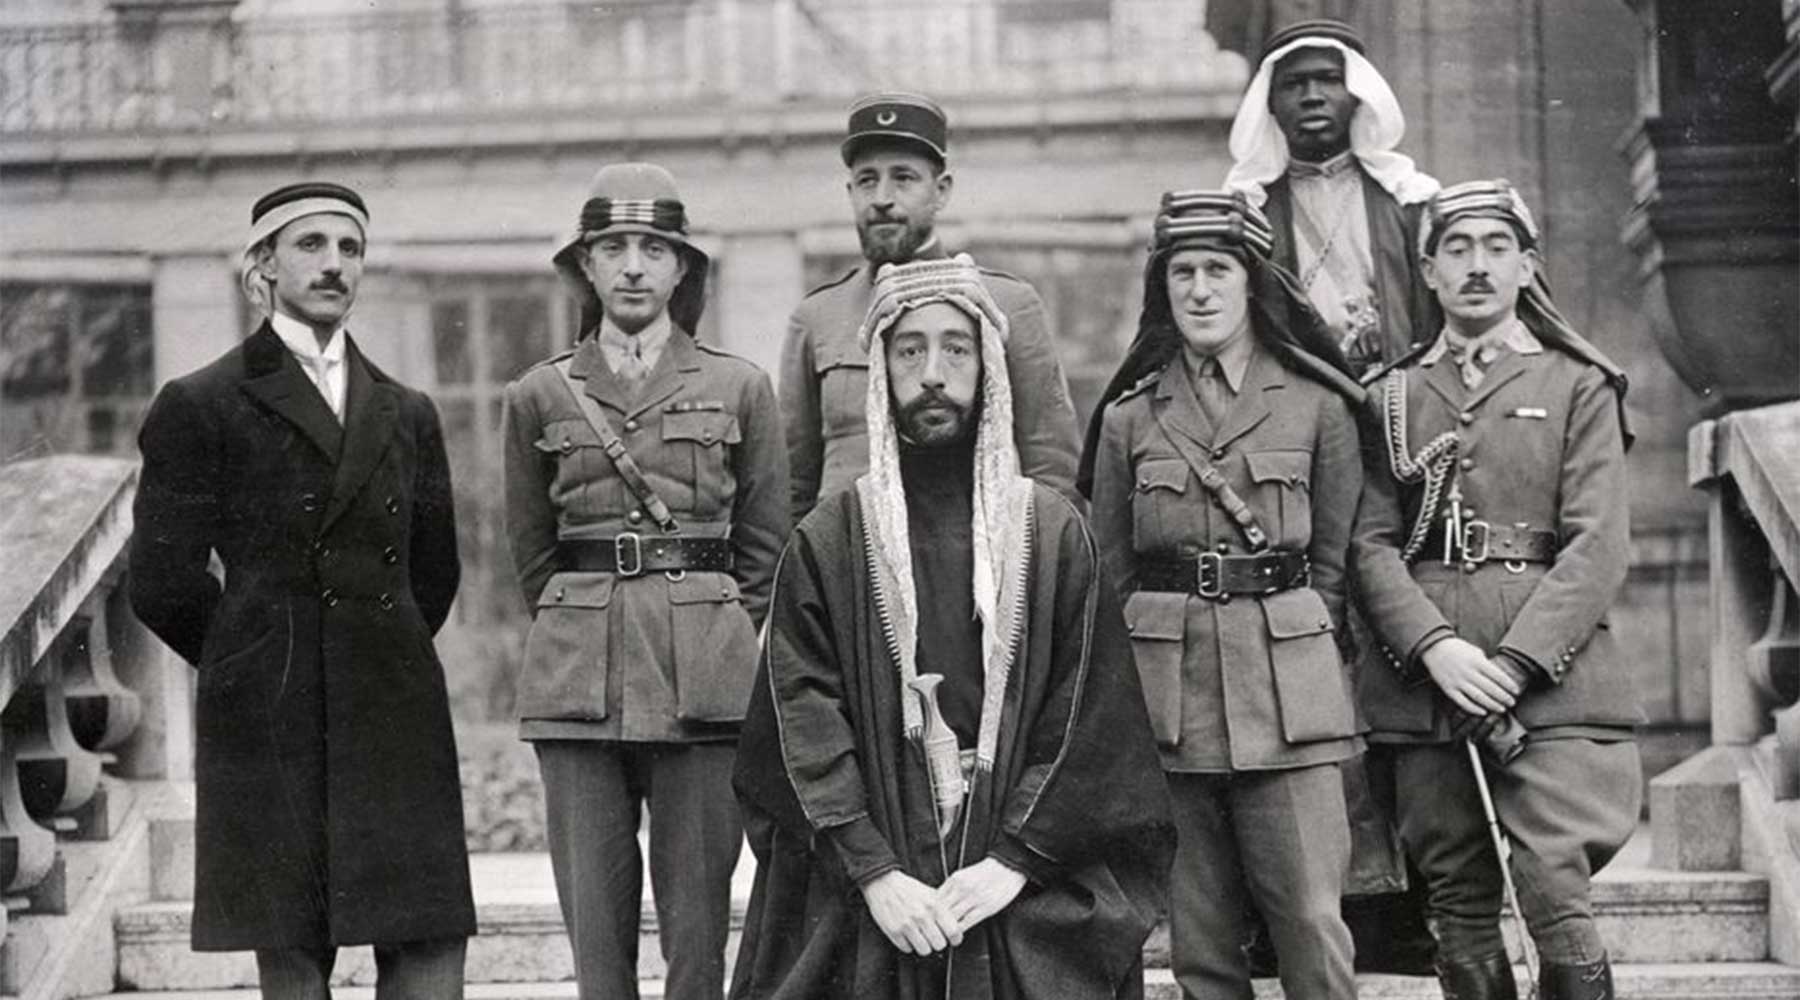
(1727, 981)
(1695, 821)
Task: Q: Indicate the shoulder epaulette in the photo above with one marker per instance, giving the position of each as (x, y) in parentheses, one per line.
(719, 352)
(1150, 378)
(833, 283)
(1379, 372)
(547, 362)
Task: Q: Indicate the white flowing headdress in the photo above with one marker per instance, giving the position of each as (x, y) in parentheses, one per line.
(1002, 497)
(1260, 151)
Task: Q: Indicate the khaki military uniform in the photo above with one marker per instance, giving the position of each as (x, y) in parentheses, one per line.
(633, 685)
(1539, 449)
(1248, 695)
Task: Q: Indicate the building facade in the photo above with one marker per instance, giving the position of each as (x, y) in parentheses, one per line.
(134, 135)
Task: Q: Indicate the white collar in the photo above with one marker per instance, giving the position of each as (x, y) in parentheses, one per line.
(650, 340)
(300, 339)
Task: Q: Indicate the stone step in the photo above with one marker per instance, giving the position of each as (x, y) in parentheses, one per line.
(1664, 981)
(1646, 915)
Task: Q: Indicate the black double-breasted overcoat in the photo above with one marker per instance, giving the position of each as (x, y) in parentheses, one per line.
(329, 808)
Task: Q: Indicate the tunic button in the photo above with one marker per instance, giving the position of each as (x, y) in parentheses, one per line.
(561, 592)
(386, 601)
(393, 505)
(1224, 598)
(568, 445)
(1470, 567)
(390, 555)
(1324, 623)
(1223, 548)
(330, 597)
(724, 592)
(1218, 453)
(309, 502)
(631, 425)
(635, 516)
(706, 436)
(1466, 417)
(1143, 484)
(1467, 464)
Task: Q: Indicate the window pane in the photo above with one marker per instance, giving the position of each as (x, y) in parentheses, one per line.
(518, 334)
(34, 340)
(450, 342)
(115, 343)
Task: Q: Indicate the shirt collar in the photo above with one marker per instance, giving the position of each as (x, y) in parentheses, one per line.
(649, 340)
(301, 340)
(1325, 169)
(1514, 335)
(1234, 360)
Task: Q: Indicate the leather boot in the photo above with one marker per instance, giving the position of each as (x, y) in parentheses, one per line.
(1486, 978)
(1576, 982)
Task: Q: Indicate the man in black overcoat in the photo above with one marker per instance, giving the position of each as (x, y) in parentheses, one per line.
(329, 807)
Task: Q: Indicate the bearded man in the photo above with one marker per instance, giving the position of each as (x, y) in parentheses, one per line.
(1007, 835)
(896, 151)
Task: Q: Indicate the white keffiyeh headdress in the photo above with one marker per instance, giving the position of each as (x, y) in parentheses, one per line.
(1002, 497)
(1260, 151)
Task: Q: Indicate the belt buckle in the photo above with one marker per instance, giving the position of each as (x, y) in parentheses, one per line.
(1467, 541)
(1217, 562)
(635, 547)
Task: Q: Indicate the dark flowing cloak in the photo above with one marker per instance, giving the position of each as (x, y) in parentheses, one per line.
(823, 761)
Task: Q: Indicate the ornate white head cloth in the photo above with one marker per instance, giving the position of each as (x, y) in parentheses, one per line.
(1002, 497)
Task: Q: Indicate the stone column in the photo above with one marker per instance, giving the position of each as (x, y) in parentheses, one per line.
(760, 281)
(182, 56)
(196, 311)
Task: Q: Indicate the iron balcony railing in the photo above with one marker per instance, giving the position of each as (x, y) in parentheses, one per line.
(502, 61)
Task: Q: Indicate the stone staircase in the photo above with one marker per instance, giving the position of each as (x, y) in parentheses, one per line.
(1677, 935)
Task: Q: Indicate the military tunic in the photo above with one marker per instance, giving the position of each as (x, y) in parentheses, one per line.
(659, 656)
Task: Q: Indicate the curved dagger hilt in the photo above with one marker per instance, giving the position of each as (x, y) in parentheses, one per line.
(943, 757)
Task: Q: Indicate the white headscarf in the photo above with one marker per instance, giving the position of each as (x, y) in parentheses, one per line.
(1260, 151)
(1001, 526)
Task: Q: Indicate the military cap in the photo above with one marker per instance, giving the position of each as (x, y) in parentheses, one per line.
(907, 119)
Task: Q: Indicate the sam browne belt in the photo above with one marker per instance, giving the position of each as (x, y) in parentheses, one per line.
(1214, 575)
(632, 554)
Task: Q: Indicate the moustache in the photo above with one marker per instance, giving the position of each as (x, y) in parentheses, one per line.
(1477, 285)
(331, 285)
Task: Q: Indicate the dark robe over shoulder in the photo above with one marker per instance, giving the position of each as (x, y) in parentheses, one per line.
(831, 786)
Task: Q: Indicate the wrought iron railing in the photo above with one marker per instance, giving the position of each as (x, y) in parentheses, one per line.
(567, 58)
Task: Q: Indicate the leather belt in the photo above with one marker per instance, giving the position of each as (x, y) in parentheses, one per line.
(632, 554)
(1214, 575)
(1482, 542)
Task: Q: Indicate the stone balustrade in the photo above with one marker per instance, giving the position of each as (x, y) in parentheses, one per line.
(199, 66)
(92, 704)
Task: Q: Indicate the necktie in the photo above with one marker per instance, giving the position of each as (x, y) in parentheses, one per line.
(1472, 363)
(631, 367)
(1214, 396)
(326, 379)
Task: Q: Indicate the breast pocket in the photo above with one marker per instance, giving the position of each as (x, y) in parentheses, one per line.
(715, 648)
(699, 443)
(1157, 623)
(1284, 488)
(1162, 511)
(586, 482)
(566, 664)
(1310, 685)
(843, 377)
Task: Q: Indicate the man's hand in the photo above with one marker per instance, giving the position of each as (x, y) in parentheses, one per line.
(979, 891)
(910, 913)
(1471, 681)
